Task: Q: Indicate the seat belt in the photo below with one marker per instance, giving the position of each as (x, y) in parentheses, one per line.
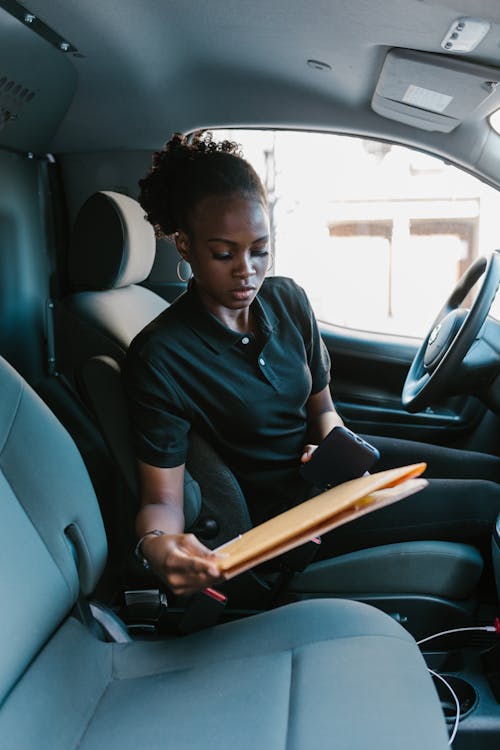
(57, 237)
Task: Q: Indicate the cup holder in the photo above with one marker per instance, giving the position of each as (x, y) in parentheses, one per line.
(465, 692)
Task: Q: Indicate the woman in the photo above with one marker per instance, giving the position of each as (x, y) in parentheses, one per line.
(238, 356)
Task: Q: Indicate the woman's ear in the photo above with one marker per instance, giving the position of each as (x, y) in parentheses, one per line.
(182, 244)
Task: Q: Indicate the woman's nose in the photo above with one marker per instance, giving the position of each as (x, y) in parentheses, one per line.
(245, 266)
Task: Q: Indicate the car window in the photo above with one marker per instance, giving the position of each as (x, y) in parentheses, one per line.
(377, 234)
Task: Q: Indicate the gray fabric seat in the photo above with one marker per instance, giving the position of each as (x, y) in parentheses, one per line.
(112, 252)
(300, 677)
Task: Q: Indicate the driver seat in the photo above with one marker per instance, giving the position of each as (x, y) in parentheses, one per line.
(112, 253)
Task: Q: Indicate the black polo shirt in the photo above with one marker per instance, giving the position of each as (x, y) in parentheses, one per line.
(247, 396)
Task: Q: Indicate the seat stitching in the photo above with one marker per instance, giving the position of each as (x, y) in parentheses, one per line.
(409, 556)
(166, 670)
(289, 713)
(79, 740)
(14, 416)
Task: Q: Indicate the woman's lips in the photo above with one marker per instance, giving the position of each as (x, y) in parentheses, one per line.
(242, 293)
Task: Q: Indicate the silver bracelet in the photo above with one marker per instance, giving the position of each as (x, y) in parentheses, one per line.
(138, 547)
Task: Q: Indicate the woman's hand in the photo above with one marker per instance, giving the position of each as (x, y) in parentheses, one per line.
(182, 562)
(307, 453)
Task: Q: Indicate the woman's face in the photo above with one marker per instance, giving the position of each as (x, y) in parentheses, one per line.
(228, 249)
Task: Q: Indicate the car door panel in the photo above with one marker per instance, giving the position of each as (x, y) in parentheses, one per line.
(368, 372)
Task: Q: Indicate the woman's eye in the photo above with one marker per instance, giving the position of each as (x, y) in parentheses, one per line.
(228, 255)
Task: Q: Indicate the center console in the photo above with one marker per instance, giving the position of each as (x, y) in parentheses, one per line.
(470, 663)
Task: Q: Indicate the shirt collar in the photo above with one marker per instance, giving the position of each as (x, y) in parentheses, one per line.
(214, 333)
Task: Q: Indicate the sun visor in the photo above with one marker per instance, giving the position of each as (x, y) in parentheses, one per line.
(432, 92)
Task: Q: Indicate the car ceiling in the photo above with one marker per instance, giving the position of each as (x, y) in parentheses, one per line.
(147, 67)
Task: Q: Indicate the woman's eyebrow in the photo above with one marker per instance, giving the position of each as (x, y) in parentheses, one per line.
(233, 242)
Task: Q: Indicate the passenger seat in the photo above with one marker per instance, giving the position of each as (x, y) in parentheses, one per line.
(301, 677)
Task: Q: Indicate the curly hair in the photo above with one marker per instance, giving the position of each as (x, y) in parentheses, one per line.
(184, 172)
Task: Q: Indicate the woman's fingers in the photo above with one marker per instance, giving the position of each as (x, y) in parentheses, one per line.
(184, 563)
(307, 454)
(197, 566)
(202, 558)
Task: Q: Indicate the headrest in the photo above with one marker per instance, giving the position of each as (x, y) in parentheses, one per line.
(112, 244)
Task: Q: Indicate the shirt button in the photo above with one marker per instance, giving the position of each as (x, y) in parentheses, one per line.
(261, 361)
(245, 340)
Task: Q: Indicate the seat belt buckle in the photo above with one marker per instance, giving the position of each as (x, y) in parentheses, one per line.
(204, 610)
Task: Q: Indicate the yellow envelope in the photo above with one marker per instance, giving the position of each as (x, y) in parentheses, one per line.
(332, 508)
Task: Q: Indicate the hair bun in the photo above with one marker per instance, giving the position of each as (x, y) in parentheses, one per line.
(187, 169)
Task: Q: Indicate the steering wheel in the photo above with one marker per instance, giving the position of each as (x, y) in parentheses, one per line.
(451, 335)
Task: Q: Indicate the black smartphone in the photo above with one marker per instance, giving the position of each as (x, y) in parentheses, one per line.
(341, 456)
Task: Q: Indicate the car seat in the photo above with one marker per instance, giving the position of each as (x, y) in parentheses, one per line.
(112, 252)
(297, 677)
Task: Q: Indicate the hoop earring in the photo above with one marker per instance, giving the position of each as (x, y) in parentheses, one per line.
(270, 265)
(178, 269)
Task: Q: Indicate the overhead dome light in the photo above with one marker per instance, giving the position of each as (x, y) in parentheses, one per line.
(465, 34)
(495, 121)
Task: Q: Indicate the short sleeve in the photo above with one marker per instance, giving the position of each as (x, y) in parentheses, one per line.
(317, 353)
(159, 421)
